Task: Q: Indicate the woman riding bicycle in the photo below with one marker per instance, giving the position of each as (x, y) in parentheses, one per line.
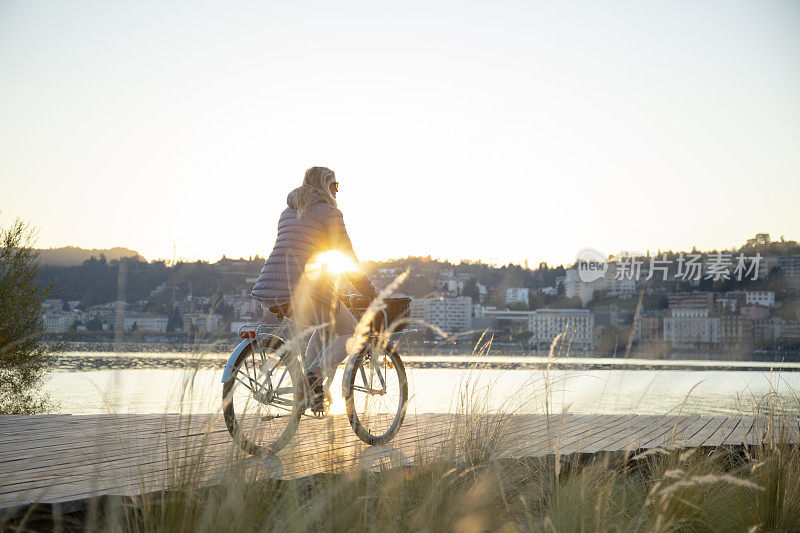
(310, 225)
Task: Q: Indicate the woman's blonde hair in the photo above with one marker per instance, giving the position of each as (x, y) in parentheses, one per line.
(317, 179)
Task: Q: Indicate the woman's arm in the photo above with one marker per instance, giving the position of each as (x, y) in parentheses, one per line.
(340, 240)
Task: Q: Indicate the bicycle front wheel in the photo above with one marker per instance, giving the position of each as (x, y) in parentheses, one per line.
(376, 393)
(264, 398)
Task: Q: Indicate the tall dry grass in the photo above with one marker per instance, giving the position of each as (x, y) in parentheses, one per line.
(673, 490)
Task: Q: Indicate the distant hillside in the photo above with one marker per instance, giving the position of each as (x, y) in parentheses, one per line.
(71, 255)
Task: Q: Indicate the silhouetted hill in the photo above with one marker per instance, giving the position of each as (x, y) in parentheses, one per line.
(72, 255)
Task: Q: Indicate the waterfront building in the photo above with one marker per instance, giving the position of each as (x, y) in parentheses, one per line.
(736, 331)
(689, 327)
(770, 332)
(506, 317)
(58, 322)
(576, 325)
(149, 322)
(204, 322)
(650, 326)
(449, 314)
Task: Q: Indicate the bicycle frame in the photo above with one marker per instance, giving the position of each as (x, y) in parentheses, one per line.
(261, 337)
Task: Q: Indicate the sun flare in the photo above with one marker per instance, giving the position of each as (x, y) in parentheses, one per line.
(332, 261)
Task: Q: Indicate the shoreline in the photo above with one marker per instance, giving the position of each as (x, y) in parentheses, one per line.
(81, 361)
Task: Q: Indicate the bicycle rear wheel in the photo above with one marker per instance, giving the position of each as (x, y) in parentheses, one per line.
(264, 398)
(376, 393)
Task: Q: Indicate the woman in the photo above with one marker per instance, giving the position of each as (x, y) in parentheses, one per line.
(310, 225)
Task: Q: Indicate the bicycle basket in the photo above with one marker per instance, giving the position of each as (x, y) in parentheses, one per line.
(397, 311)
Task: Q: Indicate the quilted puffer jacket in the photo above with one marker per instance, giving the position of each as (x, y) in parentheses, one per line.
(321, 229)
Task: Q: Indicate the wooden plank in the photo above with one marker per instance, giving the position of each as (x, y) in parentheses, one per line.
(117, 465)
(550, 436)
(683, 438)
(740, 432)
(701, 437)
(656, 427)
(726, 428)
(70, 457)
(95, 451)
(623, 437)
(667, 438)
(585, 441)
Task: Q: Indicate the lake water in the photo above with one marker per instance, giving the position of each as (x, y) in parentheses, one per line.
(93, 383)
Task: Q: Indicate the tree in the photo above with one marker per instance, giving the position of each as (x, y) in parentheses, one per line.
(95, 324)
(175, 320)
(24, 357)
(471, 290)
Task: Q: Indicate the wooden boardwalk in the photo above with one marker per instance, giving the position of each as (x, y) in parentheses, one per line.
(65, 458)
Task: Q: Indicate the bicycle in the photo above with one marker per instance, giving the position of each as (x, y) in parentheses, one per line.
(265, 391)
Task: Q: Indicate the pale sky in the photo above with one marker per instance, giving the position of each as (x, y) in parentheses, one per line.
(500, 131)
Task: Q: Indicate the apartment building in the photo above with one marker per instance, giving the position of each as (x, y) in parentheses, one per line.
(449, 314)
(624, 287)
(149, 322)
(736, 330)
(694, 299)
(517, 294)
(576, 325)
(692, 327)
(243, 305)
(650, 326)
(204, 322)
(58, 322)
(574, 286)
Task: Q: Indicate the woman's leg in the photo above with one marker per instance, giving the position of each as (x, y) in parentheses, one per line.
(344, 325)
(334, 325)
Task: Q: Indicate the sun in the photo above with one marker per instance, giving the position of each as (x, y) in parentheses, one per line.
(332, 261)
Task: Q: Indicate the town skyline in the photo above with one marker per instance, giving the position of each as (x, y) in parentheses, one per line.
(125, 251)
(724, 302)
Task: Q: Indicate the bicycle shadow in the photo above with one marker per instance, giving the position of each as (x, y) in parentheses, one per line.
(252, 468)
(376, 458)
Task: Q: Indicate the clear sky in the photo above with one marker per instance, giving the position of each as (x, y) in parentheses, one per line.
(500, 131)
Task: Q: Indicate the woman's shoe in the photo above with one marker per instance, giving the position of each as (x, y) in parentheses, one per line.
(317, 394)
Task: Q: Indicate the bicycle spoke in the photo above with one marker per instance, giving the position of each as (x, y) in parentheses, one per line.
(245, 384)
(251, 379)
(366, 390)
(259, 414)
(378, 396)
(280, 403)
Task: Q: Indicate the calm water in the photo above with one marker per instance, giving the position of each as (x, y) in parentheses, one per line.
(91, 383)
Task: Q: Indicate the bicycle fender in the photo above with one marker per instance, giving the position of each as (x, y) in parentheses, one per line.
(226, 375)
